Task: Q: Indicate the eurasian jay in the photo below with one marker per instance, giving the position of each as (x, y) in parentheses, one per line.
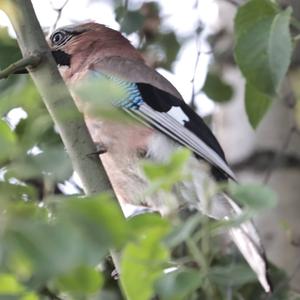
(165, 123)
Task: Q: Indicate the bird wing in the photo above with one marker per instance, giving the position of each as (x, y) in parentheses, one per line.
(153, 99)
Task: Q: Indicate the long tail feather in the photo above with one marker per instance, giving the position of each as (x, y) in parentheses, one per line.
(248, 242)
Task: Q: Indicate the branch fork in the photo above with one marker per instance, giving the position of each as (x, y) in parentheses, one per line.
(19, 66)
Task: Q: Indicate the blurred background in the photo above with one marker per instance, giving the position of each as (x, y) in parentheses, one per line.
(191, 43)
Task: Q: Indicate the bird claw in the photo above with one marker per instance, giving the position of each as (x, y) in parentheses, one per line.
(101, 149)
(115, 274)
(141, 210)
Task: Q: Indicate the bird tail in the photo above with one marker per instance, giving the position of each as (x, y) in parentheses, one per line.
(248, 242)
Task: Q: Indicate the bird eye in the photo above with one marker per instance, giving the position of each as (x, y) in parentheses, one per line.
(58, 38)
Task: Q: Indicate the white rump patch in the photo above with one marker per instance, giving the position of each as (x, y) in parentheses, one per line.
(177, 113)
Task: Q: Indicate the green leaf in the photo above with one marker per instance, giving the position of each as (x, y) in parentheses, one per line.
(257, 105)
(253, 196)
(81, 281)
(183, 231)
(232, 275)
(80, 234)
(253, 11)
(130, 20)
(178, 285)
(53, 162)
(17, 191)
(30, 296)
(8, 141)
(216, 89)
(142, 263)
(10, 53)
(141, 223)
(263, 45)
(9, 285)
(44, 246)
(165, 175)
(93, 218)
(170, 45)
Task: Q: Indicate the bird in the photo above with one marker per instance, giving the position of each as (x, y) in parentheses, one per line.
(92, 52)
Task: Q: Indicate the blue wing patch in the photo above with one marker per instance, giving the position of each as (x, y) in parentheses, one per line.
(133, 98)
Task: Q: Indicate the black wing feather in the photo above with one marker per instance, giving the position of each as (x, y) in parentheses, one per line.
(162, 101)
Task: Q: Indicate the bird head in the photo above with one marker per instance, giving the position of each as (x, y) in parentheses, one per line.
(79, 46)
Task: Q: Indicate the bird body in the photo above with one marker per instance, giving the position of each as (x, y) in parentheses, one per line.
(94, 53)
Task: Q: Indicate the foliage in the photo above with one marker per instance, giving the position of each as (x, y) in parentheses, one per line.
(263, 48)
(154, 42)
(263, 52)
(53, 245)
(216, 89)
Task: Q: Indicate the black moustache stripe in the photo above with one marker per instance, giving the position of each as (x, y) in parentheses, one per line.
(61, 58)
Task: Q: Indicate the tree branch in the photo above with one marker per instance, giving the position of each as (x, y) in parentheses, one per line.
(57, 98)
(30, 61)
(235, 3)
(59, 12)
(261, 160)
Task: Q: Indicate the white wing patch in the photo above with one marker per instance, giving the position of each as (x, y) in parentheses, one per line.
(177, 113)
(171, 127)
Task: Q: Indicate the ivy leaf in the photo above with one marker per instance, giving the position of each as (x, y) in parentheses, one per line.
(263, 45)
(257, 105)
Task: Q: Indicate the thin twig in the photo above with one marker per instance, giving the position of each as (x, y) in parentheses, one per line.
(233, 2)
(59, 12)
(29, 61)
(193, 104)
(199, 52)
